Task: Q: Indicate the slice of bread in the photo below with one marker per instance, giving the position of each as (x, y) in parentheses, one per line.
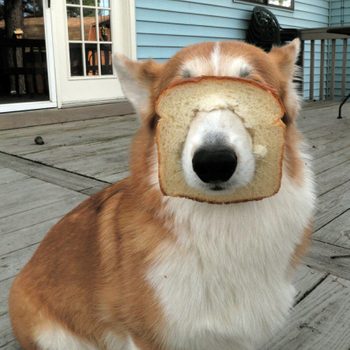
(258, 107)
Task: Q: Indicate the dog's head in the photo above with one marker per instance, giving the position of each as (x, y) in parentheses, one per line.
(215, 139)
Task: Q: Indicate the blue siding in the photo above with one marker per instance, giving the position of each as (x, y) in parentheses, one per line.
(165, 26)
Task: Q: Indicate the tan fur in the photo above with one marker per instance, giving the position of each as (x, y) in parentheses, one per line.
(98, 254)
(303, 247)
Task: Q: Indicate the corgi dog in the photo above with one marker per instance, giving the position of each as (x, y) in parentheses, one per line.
(133, 269)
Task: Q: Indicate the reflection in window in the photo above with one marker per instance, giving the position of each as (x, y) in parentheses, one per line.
(76, 62)
(103, 3)
(91, 59)
(89, 24)
(282, 3)
(95, 58)
(89, 2)
(289, 4)
(23, 65)
(104, 25)
(74, 23)
(106, 59)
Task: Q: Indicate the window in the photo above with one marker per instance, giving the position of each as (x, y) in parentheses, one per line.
(287, 4)
(89, 37)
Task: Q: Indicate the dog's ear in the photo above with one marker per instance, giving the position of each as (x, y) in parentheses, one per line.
(286, 57)
(137, 80)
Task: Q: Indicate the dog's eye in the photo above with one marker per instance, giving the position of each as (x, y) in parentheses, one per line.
(285, 119)
(186, 73)
(153, 121)
(244, 72)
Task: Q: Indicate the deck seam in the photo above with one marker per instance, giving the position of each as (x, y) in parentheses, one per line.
(17, 250)
(328, 222)
(310, 290)
(332, 167)
(20, 164)
(320, 195)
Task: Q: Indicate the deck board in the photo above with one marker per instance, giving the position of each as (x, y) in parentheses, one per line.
(39, 184)
(337, 232)
(320, 321)
(332, 204)
(323, 256)
(333, 177)
(331, 160)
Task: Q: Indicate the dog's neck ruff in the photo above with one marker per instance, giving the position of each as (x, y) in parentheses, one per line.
(226, 279)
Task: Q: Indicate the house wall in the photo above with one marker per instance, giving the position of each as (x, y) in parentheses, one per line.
(163, 27)
(339, 12)
(340, 16)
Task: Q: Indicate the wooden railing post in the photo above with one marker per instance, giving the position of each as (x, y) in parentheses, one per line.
(344, 67)
(312, 69)
(322, 70)
(327, 78)
(332, 76)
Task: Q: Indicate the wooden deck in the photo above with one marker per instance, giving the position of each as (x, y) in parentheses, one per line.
(39, 184)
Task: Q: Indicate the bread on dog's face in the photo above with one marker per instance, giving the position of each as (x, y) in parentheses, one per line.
(143, 82)
(220, 140)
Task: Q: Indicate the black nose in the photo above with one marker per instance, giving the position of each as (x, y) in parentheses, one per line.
(213, 165)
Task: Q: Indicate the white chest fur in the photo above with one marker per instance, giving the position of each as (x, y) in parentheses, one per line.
(224, 284)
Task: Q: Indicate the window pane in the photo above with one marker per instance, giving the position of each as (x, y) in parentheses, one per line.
(74, 24)
(90, 24)
(91, 59)
(106, 59)
(73, 2)
(264, 2)
(104, 25)
(89, 2)
(103, 3)
(76, 60)
(282, 3)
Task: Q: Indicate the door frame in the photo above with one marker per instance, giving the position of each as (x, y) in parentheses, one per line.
(52, 102)
(80, 91)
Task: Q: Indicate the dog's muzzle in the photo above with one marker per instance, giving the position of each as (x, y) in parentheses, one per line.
(217, 154)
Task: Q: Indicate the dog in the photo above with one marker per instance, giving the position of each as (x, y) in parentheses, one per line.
(133, 269)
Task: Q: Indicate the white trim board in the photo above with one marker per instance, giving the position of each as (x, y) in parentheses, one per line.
(25, 106)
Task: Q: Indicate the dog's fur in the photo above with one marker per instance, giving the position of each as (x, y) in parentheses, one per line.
(133, 269)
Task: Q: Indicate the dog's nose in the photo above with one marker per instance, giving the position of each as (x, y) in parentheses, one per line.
(213, 165)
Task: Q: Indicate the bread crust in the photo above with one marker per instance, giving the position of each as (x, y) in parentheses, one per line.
(264, 87)
(215, 79)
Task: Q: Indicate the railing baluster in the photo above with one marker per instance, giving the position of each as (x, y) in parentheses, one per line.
(333, 69)
(322, 70)
(312, 69)
(302, 63)
(16, 75)
(343, 81)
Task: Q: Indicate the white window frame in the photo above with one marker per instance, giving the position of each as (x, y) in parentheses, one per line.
(83, 42)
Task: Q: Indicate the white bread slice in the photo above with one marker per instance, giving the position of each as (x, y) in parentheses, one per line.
(259, 108)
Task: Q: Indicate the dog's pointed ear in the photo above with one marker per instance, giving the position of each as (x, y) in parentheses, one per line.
(286, 57)
(137, 80)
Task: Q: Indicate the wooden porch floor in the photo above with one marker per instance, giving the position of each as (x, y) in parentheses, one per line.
(39, 184)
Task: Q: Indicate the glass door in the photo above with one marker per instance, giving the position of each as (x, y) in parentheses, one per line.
(86, 32)
(24, 59)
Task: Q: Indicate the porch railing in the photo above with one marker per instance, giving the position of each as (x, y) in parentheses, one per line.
(324, 64)
(23, 67)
